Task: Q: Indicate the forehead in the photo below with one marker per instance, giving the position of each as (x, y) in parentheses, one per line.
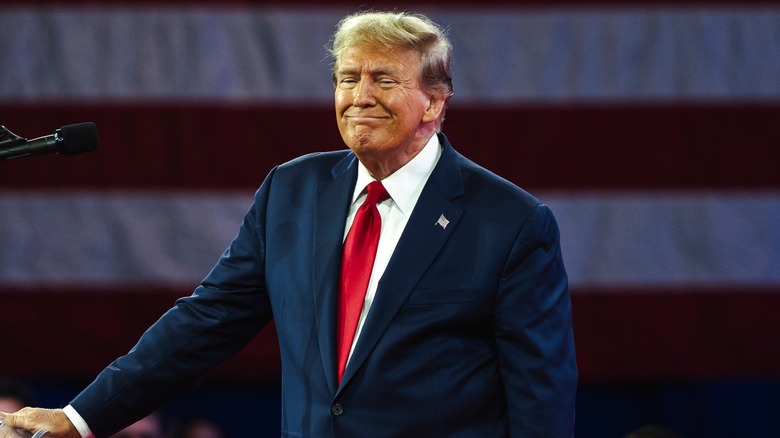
(374, 58)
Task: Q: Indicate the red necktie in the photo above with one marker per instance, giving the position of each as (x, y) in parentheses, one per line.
(357, 261)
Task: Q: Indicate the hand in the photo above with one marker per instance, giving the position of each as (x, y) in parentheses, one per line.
(10, 432)
(32, 419)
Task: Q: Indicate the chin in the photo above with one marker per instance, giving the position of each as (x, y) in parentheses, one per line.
(363, 142)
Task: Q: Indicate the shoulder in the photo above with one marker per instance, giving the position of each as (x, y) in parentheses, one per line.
(303, 175)
(313, 168)
(316, 161)
(468, 183)
(490, 200)
(482, 186)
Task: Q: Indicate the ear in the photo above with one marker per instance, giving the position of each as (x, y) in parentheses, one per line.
(434, 110)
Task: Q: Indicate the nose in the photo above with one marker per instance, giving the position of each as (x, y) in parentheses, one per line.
(363, 94)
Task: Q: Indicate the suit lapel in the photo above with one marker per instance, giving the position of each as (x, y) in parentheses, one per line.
(419, 245)
(327, 241)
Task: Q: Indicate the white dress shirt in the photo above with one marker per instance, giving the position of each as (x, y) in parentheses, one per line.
(404, 187)
(78, 421)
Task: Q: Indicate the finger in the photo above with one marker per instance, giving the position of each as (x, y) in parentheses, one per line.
(9, 420)
(10, 432)
(31, 419)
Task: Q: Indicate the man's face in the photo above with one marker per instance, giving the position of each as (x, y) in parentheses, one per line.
(380, 108)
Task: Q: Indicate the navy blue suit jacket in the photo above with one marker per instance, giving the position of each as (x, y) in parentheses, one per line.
(470, 333)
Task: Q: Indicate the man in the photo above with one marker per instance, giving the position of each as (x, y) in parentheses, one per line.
(463, 321)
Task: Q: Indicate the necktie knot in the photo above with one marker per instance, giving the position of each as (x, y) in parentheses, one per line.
(376, 193)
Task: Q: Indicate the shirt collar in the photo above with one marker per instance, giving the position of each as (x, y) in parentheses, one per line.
(406, 183)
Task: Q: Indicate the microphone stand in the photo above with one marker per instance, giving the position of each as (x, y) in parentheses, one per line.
(10, 142)
(13, 146)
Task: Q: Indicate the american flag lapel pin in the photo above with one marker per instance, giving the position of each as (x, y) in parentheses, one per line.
(442, 222)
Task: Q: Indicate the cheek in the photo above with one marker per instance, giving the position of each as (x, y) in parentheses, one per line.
(343, 96)
(340, 101)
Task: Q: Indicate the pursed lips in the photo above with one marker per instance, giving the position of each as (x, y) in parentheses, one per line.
(361, 117)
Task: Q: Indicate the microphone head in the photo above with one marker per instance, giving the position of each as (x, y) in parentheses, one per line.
(78, 138)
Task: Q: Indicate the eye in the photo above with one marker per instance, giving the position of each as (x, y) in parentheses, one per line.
(347, 83)
(386, 83)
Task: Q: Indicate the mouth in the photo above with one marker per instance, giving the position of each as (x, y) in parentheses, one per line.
(361, 118)
(365, 120)
(365, 117)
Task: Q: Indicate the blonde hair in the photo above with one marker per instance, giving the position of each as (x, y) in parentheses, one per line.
(402, 31)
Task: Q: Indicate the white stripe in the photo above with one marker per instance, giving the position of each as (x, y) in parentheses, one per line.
(657, 239)
(501, 55)
(608, 239)
(114, 238)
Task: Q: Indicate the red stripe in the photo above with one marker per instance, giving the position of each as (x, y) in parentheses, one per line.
(699, 146)
(677, 334)
(644, 335)
(69, 333)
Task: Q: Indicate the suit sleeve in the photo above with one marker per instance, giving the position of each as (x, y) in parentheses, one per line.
(534, 335)
(200, 331)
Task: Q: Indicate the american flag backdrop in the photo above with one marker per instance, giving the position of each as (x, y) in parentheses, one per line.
(651, 129)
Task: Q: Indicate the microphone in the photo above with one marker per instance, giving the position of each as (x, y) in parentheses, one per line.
(68, 140)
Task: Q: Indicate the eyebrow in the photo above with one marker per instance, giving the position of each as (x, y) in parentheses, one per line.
(378, 72)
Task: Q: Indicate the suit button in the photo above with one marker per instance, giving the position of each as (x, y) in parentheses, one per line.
(337, 409)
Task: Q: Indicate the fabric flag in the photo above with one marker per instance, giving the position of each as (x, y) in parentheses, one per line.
(651, 131)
